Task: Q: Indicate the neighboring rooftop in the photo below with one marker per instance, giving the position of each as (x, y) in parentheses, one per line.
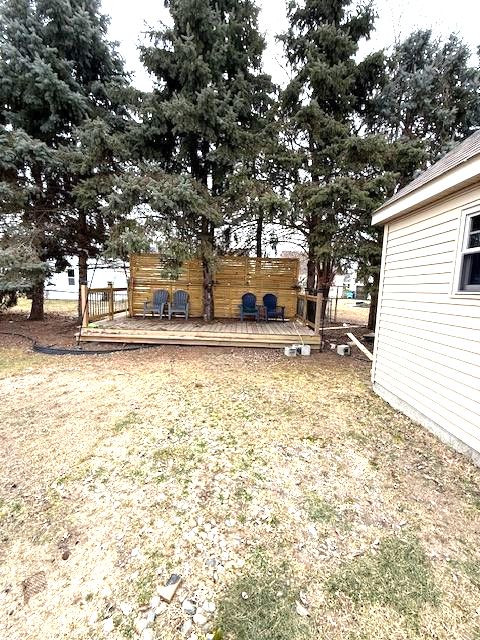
(463, 152)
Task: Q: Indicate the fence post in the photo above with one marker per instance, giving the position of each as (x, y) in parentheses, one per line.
(304, 310)
(318, 312)
(84, 304)
(110, 300)
(129, 298)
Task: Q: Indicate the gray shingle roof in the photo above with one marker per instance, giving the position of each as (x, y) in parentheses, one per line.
(464, 151)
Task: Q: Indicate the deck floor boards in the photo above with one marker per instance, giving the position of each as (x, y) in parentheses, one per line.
(287, 328)
(274, 334)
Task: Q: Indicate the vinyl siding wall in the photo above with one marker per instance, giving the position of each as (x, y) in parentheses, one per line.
(427, 347)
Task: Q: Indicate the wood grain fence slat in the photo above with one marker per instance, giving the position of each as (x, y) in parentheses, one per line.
(234, 276)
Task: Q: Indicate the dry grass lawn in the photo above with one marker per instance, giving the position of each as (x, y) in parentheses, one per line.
(294, 503)
(66, 307)
(349, 311)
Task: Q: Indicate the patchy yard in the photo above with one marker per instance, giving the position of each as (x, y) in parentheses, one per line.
(352, 312)
(294, 503)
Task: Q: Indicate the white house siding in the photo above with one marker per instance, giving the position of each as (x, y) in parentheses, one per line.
(100, 274)
(427, 347)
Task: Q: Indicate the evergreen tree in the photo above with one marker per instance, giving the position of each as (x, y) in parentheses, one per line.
(19, 264)
(95, 156)
(256, 203)
(201, 122)
(386, 164)
(430, 92)
(57, 70)
(428, 99)
(325, 101)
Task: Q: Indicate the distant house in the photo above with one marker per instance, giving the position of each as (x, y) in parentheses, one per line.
(65, 285)
(427, 346)
(342, 284)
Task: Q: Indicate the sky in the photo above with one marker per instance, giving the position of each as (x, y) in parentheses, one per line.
(396, 19)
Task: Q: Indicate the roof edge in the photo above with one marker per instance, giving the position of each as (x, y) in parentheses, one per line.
(458, 177)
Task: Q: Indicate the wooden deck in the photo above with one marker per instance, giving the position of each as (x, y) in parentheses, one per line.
(232, 333)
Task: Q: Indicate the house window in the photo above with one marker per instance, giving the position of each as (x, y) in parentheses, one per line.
(470, 263)
(71, 277)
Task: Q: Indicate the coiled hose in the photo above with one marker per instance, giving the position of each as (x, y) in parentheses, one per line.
(75, 351)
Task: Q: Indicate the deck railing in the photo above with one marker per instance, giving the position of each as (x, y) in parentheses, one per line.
(102, 302)
(314, 310)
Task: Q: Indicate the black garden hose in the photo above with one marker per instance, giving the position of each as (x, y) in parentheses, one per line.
(76, 351)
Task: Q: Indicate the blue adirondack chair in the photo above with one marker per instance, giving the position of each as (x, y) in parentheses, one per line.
(179, 304)
(272, 310)
(248, 308)
(158, 303)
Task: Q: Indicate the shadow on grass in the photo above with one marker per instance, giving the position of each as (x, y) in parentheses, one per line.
(260, 604)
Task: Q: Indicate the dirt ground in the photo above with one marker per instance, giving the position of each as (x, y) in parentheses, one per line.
(292, 501)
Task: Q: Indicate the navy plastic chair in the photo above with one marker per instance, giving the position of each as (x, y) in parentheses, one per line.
(179, 304)
(248, 307)
(272, 310)
(158, 303)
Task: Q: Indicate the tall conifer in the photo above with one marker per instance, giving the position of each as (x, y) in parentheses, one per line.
(324, 101)
(57, 69)
(201, 122)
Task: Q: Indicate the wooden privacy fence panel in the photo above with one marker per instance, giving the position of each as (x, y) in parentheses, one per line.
(147, 274)
(234, 276)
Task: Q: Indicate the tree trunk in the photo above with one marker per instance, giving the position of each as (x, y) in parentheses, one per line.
(311, 270)
(208, 306)
(372, 314)
(324, 290)
(82, 276)
(207, 264)
(259, 233)
(376, 264)
(37, 308)
(200, 172)
(325, 277)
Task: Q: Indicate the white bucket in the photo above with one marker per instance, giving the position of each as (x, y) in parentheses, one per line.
(305, 350)
(291, 352)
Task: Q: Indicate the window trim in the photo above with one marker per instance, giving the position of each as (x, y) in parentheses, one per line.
(462, 250)
(69, 277)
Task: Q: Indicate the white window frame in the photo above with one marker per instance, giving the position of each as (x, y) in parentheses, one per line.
(69, 277)
(462, 251)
